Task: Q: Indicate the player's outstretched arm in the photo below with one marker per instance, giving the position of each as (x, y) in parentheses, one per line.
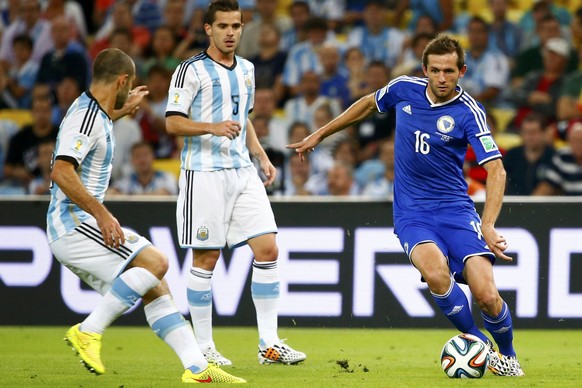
(495, 187)
(358, 111)
(259, 153)
(65, 176)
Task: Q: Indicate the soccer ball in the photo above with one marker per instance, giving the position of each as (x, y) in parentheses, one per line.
(465, 356)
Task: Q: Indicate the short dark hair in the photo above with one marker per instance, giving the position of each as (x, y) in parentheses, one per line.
(111, 63)
(142, 144)
(24, 40)
(535, 117)
(441, 45)
(222, 6)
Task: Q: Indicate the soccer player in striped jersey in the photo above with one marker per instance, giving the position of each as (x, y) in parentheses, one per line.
(222, 201)
(86, 238)
(434, 218)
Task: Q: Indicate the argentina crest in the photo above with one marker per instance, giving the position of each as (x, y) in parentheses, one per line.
(202, 233)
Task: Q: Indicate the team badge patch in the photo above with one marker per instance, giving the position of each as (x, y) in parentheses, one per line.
(131, 238)
(488, 143)
(202, 234)
(248, 81)
(445, 124)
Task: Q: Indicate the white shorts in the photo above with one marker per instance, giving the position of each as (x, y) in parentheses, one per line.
(84, 252)
(220, 208)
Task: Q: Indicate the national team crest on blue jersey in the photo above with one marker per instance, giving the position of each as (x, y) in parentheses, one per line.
(202, 234)
(445, 124)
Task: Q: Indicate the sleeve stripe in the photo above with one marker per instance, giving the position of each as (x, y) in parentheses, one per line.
(89, 119)
(477, 112)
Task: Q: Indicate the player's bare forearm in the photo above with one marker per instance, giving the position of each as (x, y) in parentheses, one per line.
(358, 111)
(259, 153)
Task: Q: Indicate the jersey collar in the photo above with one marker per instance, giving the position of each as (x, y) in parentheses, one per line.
(433, 105)
(88, 93)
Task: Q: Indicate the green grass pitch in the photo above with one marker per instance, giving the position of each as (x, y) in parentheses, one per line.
(135, 357)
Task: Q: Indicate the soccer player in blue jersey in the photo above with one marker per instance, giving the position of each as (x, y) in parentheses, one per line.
(222, 201)
(434, 218)
(86, 238)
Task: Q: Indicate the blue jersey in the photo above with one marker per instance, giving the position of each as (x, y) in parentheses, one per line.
(85, 136)
(431, 143)
(207, 91)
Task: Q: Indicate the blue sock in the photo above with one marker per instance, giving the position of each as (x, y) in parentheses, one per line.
(501, 328)
(455, 306)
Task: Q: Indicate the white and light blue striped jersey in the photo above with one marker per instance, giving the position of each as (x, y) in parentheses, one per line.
(301, 58)
(208, 92)
(386, 46)
(85, 137)
(431, 142)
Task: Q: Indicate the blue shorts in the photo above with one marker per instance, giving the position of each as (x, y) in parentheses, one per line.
(455, 230)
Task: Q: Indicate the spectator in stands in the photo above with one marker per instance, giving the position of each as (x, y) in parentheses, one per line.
(340, 180)
(127, 132)
(303, 56)
(441, 11)
(71, 11)
(265, 14)
(270, 60)
(541, 88)
(67, 59)
(532, 58)
(355, 63)
(334, 79)
(525, 165)
(9, 11)
(161, 51)
(7, 129)
(321, 116)
(487, 68)
(21, 163)
(299, 174)
(564, 175)
(40, 185)
(152, 113)
(29, 23)
(144, 13)
(504, 35)
(331, 10)
(410, 62)
(265, 105)
(299, 13)
(195, 40)
(529, 22)
(145, 179)
(67, 92)
(569, 104)
(20, 78)
(377, 41)
(379, 126)
(378, 174)
(121, 17)
(173, 17)
(308, 100)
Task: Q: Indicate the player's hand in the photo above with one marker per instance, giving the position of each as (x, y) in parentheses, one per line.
(131, 106)
(269, 170)
(111, 230)
(228, 128)
(306, 145)
(496, 243)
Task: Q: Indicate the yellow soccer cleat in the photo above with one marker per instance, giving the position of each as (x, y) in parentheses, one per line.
(212, 374)
(88, 347)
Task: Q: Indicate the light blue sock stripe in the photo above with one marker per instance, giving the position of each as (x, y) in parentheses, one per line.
(164, 326)
(265, 290)
(199, 298)
(124, 293)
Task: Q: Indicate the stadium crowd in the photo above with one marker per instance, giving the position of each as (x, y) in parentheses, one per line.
(312, 59)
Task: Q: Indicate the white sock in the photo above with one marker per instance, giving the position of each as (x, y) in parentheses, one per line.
(265, 293)
(125, 291)
(200, 305)
(167, 322)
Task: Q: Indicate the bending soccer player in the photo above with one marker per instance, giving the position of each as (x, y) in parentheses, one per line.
(434, 218)
(86, 238)
(222, 200)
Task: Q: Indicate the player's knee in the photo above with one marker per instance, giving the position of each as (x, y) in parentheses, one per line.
(488, 301)
(267, 253)
(158, 263)
(438, 281)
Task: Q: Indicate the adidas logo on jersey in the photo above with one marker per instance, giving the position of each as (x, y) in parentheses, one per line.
(407, 109)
